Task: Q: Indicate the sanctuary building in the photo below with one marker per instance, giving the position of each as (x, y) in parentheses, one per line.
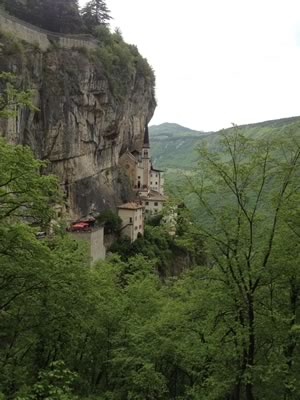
(147, 181)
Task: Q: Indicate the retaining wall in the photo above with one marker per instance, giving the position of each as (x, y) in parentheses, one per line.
(35, 35)
(95, 243)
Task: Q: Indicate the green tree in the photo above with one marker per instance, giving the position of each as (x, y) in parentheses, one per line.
(112, 222)
(239, 196)
(54, 383)
(60, 16)
(25, 195)
(12, 97)
(95, 13)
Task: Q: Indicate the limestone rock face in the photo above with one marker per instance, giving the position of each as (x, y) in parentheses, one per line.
(82, 126)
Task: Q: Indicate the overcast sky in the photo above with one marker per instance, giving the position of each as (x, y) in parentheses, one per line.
(217, 61)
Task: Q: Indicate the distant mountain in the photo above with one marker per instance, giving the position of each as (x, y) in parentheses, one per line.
(172, 130)
(174, 146)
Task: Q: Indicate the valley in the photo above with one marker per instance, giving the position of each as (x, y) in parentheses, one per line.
(175, 147)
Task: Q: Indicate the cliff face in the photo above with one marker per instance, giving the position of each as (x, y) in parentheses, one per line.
(82, 126)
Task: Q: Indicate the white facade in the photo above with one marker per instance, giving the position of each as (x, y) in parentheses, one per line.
(139, 176)
(149, 185)
(132, 220)
(142, 174)
(153, 202)
(156, 181)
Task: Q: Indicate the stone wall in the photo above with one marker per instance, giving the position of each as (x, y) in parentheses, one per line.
(34, 35)
(95, 243)
(98, 250)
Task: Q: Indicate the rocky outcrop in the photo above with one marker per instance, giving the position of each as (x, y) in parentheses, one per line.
(81, 126)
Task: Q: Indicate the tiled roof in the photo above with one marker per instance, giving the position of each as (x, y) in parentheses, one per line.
(156, 170)
(130, 155)
(153, 196)
(130, 206)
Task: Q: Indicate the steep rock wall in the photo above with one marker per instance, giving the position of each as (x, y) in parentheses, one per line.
(82, 127)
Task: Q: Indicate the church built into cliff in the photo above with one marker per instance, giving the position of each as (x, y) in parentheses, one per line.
(147, 181)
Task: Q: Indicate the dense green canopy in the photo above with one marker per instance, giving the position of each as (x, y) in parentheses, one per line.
(225, 329)
(95, 13)
(62, 16)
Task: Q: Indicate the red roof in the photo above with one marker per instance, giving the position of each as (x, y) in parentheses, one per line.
(80, 225)
(131, 206)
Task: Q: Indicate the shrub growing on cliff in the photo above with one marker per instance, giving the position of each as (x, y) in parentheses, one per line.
(94, 14)
(121, 62)
(11, 47)
(54, 15)
(11, 97)
(112, 222)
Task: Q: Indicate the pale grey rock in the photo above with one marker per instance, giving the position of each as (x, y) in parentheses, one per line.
(81, 127)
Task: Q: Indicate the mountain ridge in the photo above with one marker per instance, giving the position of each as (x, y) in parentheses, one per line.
(173, 145)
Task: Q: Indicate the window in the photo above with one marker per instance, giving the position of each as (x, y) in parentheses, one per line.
(140, 227)
(130, 220)
(147, 203)
(156, 183)
(156, 203)
(135, 218)
(150, 183)
(156, 175)
(135, 228)
(139, 177)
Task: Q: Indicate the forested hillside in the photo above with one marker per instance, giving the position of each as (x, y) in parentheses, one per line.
(174, 146)
(60, 16)
(226, 328)
(204, 306)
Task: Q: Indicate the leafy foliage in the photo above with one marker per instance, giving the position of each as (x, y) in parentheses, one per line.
(55, 15)
(170, 255)
(12, 97)
(227, 329)
(112, 222)
(122, 62)
(94, 14)
(175, 147)
(24, 194)
(53, 383)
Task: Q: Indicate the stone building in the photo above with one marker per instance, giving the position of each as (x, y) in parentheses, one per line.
(94, 239)
(132, 219)
(153, 202)
(148, 182)
(140, 170)
(156, 180)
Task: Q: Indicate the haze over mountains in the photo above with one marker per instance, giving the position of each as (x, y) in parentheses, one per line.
(174, 146)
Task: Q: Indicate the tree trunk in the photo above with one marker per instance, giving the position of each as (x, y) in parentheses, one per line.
(291, 341)
(251, 346)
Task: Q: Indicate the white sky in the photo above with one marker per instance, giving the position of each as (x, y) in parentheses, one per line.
(217, 61)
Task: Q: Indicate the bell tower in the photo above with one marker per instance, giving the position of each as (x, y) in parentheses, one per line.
(146, 159)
